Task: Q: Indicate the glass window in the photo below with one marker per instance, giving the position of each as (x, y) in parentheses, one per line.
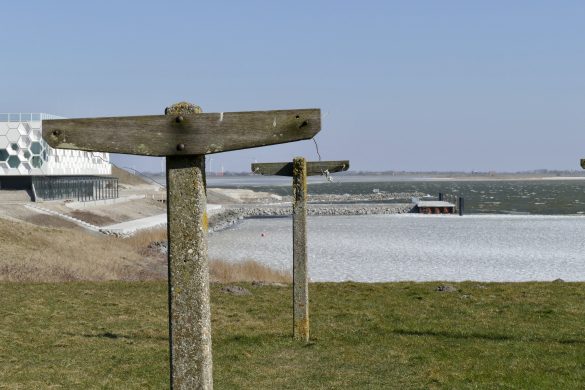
(36, 148)
(37, 162)
(13, 161)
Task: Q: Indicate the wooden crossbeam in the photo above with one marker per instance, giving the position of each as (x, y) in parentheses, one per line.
(183, 134)
(314, 168)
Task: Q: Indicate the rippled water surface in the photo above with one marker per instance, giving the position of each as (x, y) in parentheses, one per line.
(548, 197)
(416, 247)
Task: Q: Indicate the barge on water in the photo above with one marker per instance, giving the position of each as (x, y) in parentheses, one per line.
(434, 207)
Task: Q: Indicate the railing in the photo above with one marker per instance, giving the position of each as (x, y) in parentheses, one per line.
(26, 117)
(82, 188)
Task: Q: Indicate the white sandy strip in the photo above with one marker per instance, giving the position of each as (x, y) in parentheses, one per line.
(130, 227)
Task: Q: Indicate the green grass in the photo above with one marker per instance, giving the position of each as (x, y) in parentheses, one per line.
(364, 336)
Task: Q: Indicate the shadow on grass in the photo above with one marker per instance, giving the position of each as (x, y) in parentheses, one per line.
(484, 336)
(114, 336)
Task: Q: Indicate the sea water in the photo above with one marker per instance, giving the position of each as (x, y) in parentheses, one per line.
(550, 197)
(378, 248)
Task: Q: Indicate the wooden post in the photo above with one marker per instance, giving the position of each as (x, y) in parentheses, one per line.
(189, 308)
(300, 273)
(461, 205)
(299, 169)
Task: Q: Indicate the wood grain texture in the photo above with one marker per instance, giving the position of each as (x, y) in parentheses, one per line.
(188, 134)
(314, 168)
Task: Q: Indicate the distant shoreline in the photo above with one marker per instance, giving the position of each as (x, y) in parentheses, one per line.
(496, 178)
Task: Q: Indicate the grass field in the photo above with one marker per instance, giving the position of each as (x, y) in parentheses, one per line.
(364, 336)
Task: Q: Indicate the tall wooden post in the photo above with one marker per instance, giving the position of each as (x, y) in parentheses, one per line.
(300, 274)
(189, 309)
(299, 169)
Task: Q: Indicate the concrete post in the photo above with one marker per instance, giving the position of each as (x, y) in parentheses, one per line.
(189, 309)
(300, 273)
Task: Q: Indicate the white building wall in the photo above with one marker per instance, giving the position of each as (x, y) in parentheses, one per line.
(23, 152)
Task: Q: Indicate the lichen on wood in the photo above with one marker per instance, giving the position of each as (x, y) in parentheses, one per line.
(183, 108)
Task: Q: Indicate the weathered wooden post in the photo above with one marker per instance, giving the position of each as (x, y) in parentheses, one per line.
(184, 136)
(299, 169)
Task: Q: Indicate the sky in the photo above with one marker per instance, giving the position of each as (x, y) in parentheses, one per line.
(402, 85)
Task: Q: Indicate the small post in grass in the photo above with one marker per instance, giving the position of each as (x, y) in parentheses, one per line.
(184, 136)
(299, 169)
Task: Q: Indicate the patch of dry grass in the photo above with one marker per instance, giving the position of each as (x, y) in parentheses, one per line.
(41, 254)
(46, 254)
(143, 238)
(126, 177)
(50, 221)
(222, 271)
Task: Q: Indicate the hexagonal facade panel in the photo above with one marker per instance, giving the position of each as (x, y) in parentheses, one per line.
(23, 128)
(24, 152)
(24, 141)
(36, 148)
(24, 169)
(13, 161)
(37, 162)
(35, 135)
(13, 135)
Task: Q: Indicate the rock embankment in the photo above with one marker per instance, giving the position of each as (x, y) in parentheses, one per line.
(231, 216)
(380, 196)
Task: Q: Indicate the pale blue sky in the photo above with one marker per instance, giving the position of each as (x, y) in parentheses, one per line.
(405, 85)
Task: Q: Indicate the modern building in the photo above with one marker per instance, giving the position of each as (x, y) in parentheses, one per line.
(27, 162)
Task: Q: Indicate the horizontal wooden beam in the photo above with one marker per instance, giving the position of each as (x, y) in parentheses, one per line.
(314, 168)
(168, 135)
